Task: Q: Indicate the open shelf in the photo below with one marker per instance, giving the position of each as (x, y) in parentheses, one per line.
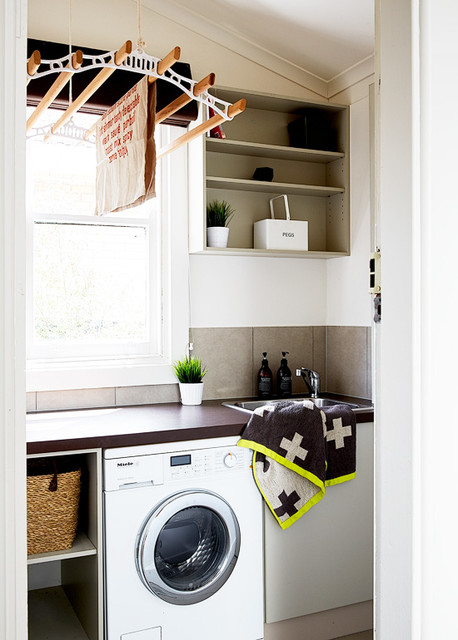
(52, 617)
(214, 182)
(315, 180)
(260, 150)
(82, 546)
(65, 586)
(272, 253)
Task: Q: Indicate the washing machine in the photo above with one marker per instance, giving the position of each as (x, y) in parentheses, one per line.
(183, 546)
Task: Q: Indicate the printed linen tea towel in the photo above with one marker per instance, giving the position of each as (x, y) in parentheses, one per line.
(126, 152)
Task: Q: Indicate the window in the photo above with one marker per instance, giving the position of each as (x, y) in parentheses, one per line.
(101, 288)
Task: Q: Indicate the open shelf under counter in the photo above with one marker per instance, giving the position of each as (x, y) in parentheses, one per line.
(257, 149)
(73, 610)
(52, 617)
(82, 546)
(238, 184)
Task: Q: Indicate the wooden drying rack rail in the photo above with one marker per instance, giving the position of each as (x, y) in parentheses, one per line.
(138, 62)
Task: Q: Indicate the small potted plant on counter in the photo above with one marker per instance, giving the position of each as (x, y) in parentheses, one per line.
(190, 372)
(219, 214)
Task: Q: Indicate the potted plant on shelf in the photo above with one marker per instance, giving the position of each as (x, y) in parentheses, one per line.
(219, 214)
(190, 372)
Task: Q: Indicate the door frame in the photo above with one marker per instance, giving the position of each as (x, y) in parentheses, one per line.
(417, 342)
(13, 550)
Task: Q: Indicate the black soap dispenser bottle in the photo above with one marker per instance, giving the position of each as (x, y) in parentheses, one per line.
(265, 379)
(284, 378)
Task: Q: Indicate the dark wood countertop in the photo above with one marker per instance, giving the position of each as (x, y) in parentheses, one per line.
(128, 426)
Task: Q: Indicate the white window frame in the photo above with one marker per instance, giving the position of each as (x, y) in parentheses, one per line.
(53, 374)
(48, 351)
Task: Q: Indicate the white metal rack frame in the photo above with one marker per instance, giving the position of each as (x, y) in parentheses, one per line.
(136, 61)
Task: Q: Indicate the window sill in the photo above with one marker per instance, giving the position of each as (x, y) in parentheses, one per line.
(61, 376)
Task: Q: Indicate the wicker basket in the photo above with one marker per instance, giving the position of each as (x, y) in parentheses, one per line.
(53, 491)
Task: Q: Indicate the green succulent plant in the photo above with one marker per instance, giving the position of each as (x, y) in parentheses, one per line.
(219, 213)
(189, 370)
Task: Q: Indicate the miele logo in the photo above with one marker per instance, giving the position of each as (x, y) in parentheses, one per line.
(125, 464)
(288, 234)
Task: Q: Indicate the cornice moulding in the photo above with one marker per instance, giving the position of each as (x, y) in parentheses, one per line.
(351, 76)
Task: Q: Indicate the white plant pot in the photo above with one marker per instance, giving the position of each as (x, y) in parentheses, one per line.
(191, 392)
(217, 236)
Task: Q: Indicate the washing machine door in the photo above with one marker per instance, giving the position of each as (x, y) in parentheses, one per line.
(188, 547)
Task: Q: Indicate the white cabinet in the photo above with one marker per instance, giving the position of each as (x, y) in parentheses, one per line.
(316, 180)
(324, 560)
(65, 598)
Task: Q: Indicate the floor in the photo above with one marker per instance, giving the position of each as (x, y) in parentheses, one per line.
(364, 635)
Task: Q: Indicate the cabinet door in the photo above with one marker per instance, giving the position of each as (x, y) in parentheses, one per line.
(324, 560)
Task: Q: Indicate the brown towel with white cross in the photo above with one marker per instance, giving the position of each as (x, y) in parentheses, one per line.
(298, 451)
(340, 444)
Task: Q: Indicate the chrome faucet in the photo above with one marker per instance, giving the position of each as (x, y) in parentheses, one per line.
(311, 379)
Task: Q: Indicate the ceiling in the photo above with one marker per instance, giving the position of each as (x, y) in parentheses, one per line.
(322, 37)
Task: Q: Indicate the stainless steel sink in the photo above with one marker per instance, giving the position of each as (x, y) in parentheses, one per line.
(250, 405)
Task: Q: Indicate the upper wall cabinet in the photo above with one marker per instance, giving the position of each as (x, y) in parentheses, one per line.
(310, 163)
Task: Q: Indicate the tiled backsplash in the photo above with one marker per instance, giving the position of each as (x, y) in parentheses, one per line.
(349, 361)
(232, 373)
(342, 356)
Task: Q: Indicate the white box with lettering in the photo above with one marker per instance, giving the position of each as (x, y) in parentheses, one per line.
(289, 235)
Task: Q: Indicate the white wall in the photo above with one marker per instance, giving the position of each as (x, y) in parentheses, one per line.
(348, 301)
(233, 291)
(257, 292)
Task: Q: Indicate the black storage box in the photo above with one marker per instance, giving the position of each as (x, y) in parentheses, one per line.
(314, 129)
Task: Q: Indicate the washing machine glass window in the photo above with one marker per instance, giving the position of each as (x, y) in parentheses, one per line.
(188, 547)
(191, 548)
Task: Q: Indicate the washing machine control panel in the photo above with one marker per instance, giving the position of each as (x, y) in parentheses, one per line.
(157, 469)
(196, 464)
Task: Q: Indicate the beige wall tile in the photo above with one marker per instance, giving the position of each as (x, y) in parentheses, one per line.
(319, 354)
(226, 353)
(31, 401)
(297, 340)
(75, 399)
(347, 361)
(160, 393)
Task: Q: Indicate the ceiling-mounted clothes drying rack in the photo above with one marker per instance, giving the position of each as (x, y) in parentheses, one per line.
(136, 61)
